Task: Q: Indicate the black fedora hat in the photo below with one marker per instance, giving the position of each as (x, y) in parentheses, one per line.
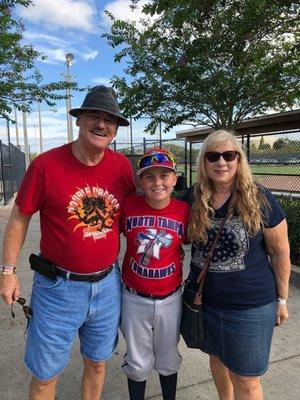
(101, 98)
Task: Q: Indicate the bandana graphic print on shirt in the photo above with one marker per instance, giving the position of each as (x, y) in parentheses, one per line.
(230, 250)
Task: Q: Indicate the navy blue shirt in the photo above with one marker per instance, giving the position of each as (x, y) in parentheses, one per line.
(240, 274)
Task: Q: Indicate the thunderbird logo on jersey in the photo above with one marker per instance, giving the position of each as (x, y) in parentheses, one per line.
(95, 209)
(151, 243)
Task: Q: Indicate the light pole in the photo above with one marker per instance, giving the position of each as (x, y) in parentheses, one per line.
(25, 132)
(68, 79)
(26, 147)
(40, 126)
(35, 127)
(17, 128)
(40, 129)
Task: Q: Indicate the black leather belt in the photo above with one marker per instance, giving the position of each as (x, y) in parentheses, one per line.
(151, 296)
(84, 277)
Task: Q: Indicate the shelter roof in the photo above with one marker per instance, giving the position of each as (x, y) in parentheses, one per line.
(272, 123)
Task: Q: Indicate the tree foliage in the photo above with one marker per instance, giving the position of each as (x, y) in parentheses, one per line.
(21, 84)
(281, 144)
(286, 144)
(211, 62)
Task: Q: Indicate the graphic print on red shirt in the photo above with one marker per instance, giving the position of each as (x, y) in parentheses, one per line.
(59, 186)
(152, 260)
(95, 210)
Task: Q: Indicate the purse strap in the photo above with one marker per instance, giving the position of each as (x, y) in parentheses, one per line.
(202, 274)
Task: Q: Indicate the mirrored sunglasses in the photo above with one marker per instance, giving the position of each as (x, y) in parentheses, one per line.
(156, 158)
(213, 156)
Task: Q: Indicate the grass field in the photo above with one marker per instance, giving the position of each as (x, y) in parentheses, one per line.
(276, 169)
(264, 169)
(257, 170)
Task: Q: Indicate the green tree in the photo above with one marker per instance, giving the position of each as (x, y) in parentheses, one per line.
(281, 144)
(263, 145)
(294, 145)
(261, 142)
(253, 146)
(211, 62)
(177, 151)
(21, 84)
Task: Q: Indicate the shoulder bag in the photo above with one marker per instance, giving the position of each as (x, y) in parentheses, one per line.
(192, 324)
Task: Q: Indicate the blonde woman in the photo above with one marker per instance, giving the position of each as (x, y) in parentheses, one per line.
(246, 287)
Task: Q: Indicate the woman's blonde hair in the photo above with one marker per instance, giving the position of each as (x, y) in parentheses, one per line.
(248, 200)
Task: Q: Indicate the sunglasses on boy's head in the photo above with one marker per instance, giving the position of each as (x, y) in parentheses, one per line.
(155, 158)
(213, 156)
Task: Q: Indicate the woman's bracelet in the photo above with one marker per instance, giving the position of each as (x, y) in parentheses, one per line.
(280, 300)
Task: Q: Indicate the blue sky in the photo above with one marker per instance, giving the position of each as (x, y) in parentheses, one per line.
(58, 27)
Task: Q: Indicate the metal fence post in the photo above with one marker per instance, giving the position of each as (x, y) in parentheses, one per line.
(248, 147)
(9, 157)
(131, 136)
(185, 159)
(191, 166)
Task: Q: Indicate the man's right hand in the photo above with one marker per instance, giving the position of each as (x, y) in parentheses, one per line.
(9, 288)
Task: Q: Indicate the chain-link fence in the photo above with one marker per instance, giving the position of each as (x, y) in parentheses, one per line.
(178, 147)
(12, 163)
(274, 160)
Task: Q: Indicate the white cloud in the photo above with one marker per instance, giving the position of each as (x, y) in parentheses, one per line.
(91, 55)
(101, 81)
(55, 48)
(57, 14)
(54, 56)
(121, 10)
(41, 37)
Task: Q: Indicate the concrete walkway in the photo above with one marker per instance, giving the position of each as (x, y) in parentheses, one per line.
(281, 382)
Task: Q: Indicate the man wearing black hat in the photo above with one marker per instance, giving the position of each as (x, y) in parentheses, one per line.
(79, 189)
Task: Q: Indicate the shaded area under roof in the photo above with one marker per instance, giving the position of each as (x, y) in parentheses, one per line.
(272, 123)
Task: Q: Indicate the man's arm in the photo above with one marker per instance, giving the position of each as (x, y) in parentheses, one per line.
(14, 237)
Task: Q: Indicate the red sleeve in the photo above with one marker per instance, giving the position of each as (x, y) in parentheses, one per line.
(32, 191)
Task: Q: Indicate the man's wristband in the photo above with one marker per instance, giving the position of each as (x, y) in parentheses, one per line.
(280, 300)
(7, 270)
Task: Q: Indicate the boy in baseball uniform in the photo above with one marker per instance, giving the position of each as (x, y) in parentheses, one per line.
(154, 225)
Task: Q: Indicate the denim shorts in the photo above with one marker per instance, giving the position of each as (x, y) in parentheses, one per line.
(240, 338)
(63, 308)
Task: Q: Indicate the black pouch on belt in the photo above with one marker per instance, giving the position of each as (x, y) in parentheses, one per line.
(42, 266)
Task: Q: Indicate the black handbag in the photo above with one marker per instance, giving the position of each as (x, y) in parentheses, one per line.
(192, 322)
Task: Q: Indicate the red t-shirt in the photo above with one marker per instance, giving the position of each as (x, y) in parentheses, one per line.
(79, 206)
(154, 237)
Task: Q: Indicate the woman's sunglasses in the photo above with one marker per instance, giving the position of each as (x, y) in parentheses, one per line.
(213, 156)
(153, 159)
